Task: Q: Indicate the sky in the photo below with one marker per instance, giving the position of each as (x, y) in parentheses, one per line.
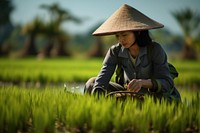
(97, 11)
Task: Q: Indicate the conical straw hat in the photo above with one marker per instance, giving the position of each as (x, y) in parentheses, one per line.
(126, 18)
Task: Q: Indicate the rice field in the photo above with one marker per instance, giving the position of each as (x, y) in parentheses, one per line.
(61, 70)
(52, 109)
(55, 110)
(48, 70)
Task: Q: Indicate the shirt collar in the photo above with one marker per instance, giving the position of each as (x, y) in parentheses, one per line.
(124, 52)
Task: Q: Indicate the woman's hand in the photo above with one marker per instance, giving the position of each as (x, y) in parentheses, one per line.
(135, 85)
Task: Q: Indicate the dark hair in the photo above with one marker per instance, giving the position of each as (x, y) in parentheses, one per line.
(143, 38)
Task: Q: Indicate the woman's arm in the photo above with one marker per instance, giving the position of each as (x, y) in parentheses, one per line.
(107, 70)
(161, 74)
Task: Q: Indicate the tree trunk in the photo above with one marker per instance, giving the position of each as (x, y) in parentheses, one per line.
(29, 48)
(98, 50)
(59, 49)
(47, 49)
(189, 52)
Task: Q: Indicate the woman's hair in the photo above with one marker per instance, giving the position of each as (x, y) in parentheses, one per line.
(143, 38)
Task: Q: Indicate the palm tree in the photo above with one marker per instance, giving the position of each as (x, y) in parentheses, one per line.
(56, 40)
(59, 15)
(6, 26)
(56, 36)
(31, 29)
(189, 23)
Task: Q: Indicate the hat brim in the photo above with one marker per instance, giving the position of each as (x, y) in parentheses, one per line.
(126, 18)
(96, 33)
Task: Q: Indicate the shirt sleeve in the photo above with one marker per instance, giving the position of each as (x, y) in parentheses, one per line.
(107, 70)
(161, 74)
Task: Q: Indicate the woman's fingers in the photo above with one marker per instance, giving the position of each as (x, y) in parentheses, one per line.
(131, 83)
(134, 85)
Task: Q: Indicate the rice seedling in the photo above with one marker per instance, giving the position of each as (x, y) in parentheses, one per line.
(55, 110)
(76, 70)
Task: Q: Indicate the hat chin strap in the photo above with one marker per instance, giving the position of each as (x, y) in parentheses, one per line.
(133, 43)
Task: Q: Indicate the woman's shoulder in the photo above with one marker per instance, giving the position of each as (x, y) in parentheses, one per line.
(116, 48)
(156, 48)
(157, 51)
(156, 45)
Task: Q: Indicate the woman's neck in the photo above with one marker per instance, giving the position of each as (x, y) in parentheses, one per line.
(134, 50)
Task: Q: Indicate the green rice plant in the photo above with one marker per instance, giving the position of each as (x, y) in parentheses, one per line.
(102, 113)
(14, 110)
(49, 70)
(187, 72)
(55, 110)
(60, 70)
(43, 116)
(130, 119)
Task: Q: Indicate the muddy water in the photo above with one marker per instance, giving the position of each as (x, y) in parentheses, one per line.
(71, 87)
(74, 88)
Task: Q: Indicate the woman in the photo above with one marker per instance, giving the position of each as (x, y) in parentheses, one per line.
(143, 71)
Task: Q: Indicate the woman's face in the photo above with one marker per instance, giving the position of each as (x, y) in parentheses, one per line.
(126, 38)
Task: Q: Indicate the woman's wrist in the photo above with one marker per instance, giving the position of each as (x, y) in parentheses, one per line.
(146, 83)
(154, 85)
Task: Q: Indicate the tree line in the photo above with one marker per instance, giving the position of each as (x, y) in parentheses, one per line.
(55, 40)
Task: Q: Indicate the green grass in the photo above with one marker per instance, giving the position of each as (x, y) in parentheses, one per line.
(49, 70)
(77, 70)
(188, 72)
(48, 110)
(54, 110)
